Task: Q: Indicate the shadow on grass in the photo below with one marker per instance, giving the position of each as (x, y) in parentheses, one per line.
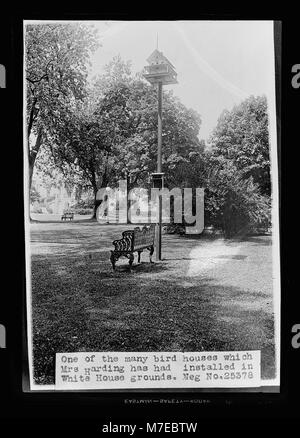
(60, 222)
(80, 304)
(229, 257)
(137, 268)
(261, 240)
(264, 240)
(88, 310)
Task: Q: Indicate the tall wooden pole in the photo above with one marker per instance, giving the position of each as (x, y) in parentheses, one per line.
(159, 128)
(159, 167)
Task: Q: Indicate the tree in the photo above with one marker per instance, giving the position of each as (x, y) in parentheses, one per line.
(56, 73)
(85, 145)
(34, 195)
(112, 135)
(232, 202)
(242, 137)
(50, 172)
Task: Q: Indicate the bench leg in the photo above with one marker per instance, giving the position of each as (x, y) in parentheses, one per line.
(113, 260)
(151, 249)
(131, 259)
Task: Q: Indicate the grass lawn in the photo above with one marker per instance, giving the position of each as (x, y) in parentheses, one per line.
(204, 295)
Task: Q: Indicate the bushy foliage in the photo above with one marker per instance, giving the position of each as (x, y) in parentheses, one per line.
(242, 136)
(83, 206)
(232, 202)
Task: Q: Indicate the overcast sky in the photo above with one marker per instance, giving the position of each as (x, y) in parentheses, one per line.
(219, 63)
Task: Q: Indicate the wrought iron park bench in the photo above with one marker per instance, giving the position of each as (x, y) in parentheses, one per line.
(134, 241)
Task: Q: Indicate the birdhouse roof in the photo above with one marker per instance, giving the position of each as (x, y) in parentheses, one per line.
(157, 57)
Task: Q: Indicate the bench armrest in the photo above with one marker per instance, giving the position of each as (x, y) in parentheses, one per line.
(126, 243)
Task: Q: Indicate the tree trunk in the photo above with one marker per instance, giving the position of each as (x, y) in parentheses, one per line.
(95, 190)
(32, 154)
(31, 167)
(96, 203)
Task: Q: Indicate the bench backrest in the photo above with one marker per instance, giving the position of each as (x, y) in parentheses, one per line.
(143, 237)
(136, 239)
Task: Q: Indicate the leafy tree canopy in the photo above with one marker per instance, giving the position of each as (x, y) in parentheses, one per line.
(112, 134)
(57, 58)
(242, 136)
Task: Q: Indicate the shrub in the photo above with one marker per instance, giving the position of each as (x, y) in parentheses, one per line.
(232, 202)
(83, 211)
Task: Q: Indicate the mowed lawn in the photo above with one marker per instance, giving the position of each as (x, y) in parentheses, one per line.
(206, 294)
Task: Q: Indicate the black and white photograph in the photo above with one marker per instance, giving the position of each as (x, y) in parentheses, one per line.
(151, 200)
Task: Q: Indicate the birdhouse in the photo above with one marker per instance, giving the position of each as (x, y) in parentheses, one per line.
(158, 180)
(159, 69)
